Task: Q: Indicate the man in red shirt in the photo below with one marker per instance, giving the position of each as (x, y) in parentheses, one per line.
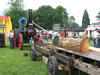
(46, 36)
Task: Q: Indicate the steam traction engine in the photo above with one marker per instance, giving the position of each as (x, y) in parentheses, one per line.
(27, 34)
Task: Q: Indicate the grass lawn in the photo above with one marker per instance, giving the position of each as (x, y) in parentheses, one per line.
(91, 43)
(12, 63)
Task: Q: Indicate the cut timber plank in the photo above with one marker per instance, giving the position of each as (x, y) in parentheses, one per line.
(94, 49)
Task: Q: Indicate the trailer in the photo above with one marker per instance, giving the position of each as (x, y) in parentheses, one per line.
(58, 58)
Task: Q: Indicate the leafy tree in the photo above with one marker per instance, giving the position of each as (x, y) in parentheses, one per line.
(98, 17)
(61, 16)
(71, 19)
(16, 11)
(72, 23)
(44, 16)
(85, 20)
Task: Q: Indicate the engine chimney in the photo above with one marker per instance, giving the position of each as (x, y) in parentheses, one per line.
(30, 15)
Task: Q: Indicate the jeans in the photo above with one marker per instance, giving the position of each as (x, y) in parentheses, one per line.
(94, 40)
(98, 43)
(46, 37)
(30, 42)
(20, 27)
(11, 43)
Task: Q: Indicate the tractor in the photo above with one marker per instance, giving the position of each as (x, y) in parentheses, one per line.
(27, 35)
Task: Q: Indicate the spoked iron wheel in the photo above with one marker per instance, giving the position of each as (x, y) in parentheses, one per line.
(14, 38)
(52, 66)
(20, 41)
(16, 34)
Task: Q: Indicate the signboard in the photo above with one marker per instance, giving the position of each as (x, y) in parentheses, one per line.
(56, 27)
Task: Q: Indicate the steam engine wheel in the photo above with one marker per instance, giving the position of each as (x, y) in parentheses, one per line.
(20, 41)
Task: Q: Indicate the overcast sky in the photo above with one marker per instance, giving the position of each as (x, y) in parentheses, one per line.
(74, 7)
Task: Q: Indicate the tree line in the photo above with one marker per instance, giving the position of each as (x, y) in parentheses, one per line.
(45, 16)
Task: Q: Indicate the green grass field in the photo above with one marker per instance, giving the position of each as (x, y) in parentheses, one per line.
(12, 63)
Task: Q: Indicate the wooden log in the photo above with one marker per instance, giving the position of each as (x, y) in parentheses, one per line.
(75, 44)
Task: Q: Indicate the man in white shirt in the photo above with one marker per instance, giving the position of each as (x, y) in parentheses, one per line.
(95, 36)
(11, 38)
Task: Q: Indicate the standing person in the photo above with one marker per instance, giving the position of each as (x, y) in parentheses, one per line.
(74, 35)
(21, 21)
(57, 34)
(50, 34)
(95, 37)
(98, 45)
(46, 36)
(70, 34)
(67, 34)
(11, 38)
